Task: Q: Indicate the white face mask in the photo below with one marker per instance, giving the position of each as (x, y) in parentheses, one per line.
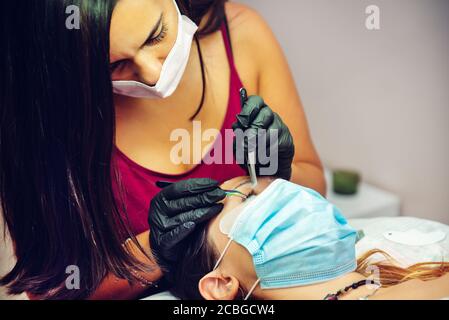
(172, 69)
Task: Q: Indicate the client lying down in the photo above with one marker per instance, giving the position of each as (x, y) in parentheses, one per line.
(284, 241)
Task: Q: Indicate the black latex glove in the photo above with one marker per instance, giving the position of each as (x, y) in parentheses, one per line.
(256, 115)
(176, 210)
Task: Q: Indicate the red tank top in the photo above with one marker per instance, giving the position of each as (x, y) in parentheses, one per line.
(137, 184)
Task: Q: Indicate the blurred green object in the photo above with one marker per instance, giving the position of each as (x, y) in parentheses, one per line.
(345, 181)
(360, 235)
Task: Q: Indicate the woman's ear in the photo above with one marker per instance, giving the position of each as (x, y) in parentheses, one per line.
(215, 286)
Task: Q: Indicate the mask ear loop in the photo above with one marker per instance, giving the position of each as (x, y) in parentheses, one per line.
(252, 289)
(223, 253)
(221, 258)
(229, 193)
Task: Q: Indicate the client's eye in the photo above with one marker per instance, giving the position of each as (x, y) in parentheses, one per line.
(251, 193)
(116, 65)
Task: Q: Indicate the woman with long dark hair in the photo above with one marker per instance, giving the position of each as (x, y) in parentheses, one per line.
(79, 165)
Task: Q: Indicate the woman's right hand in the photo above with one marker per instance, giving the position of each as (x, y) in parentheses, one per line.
(176, 210)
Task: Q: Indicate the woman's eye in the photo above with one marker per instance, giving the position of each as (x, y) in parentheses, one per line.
(114, 66)
(159, 37)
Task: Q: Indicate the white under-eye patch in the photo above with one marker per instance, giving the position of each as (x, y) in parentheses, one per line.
(229, 219)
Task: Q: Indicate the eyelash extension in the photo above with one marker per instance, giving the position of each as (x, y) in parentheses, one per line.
(151, 42)
(247, 196)
(233, 191)
(160, 36)
(236, 193)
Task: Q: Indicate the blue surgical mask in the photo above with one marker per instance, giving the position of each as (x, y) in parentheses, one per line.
(294, 235)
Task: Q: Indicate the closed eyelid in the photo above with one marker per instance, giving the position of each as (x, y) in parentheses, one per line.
(114, 65)
(154, 30)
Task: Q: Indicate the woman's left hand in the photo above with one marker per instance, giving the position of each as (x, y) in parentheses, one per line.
(256, 115)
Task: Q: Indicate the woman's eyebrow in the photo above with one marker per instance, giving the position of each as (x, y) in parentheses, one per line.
(153, 31)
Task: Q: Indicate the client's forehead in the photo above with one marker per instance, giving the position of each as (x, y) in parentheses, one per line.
(242, 184)
(234, 182)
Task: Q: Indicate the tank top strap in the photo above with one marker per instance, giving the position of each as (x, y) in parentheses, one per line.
(227, 41)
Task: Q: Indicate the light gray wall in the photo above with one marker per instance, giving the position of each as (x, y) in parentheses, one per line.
(377, 101)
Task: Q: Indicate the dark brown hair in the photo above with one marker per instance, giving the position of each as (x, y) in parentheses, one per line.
(199, 258)
(197, 10)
